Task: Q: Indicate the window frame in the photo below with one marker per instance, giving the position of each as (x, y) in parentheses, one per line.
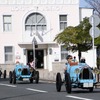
(7, 26)
(37, 24)
(64, 22)
(63, 52)
(9, 54)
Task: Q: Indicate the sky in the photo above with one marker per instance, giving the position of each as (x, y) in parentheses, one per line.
(83, 3)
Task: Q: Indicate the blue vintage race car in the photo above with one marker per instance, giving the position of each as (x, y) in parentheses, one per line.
(77, 76)
(22, 72)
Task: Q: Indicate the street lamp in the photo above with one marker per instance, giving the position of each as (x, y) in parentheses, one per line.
(34, 42)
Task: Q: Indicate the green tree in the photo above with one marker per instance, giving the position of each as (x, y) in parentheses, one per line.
(76, 38)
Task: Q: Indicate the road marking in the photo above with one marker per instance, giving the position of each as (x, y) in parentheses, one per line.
(36, 90)
(75, 97)
(8, 85)
(46, 81)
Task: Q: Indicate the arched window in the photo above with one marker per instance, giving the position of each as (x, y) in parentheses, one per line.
(35, 21)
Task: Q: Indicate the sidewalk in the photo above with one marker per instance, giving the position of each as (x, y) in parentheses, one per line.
(49, 75)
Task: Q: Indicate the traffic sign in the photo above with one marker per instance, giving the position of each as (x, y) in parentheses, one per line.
(94, 32)
(94, 20)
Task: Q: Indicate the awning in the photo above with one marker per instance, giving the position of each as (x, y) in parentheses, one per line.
(41, 45)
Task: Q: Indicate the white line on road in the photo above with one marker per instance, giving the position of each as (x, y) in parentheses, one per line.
(75, 97)
(36, 90)
(8, 85)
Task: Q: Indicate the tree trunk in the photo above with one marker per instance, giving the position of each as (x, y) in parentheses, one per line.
(79, 54)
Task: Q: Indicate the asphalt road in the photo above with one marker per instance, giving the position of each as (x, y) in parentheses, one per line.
(42, 91)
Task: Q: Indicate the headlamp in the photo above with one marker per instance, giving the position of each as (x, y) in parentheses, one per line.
(96, 71)
(19, 69)
(77, 70)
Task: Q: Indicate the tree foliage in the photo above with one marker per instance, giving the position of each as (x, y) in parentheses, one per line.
(76, 38)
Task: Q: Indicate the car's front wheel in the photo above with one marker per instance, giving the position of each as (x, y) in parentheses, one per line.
(14, 77)
(10, 77)
(68, 83)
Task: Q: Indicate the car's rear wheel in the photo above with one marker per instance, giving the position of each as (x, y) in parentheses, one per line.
(58, 82)
(37, 77)
(4, 75)
(14, 78)
(68, 83)
(10, 77)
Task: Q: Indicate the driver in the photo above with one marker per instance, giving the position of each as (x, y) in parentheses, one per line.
(69, 60)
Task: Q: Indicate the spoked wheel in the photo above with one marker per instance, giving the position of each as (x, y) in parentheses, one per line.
(58, 82)
(4, 74)
(10, 77)
(37, 77)
(91, 89)
(14, 77)
(68, 83)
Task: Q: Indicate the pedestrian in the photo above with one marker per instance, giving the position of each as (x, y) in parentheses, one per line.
(74, 59)
(32, 64)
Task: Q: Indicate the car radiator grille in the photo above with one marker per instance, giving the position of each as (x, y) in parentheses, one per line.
(24, 71)
(86, 74)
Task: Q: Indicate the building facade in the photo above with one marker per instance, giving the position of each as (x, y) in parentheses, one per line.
(24, 23)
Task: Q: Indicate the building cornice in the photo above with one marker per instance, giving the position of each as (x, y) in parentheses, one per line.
(39, 2)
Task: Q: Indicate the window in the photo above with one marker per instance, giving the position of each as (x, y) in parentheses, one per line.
(64, 53)
(35, 21)
(7, 25)
(8, 54)
(63, 21)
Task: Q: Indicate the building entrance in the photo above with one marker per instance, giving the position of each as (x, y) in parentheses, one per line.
(39, 55)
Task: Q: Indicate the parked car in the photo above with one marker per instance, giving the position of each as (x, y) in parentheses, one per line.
(77, 76)
(22, 72)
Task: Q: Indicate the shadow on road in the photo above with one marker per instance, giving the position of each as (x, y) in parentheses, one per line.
(86, 91)
(18, 96)
(2, 79)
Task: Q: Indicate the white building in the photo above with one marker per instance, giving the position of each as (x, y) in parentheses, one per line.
(23, 20)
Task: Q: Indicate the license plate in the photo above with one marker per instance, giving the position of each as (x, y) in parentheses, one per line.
(88, 85)
(25, 79)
